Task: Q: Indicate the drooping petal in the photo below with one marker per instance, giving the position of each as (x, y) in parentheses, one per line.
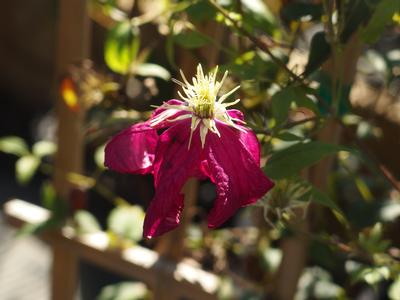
(247, 137)
(236, 174)
(174, 164)
(132, 150)
(249, 140)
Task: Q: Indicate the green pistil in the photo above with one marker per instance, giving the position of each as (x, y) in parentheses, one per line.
(204, 110)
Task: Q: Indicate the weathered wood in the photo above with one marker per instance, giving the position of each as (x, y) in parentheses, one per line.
(73, 45)
(64, 273)
(182, 280)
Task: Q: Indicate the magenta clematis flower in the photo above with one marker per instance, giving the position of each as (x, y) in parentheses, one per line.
(200, 138)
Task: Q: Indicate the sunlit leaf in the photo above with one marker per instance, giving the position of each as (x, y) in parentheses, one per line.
(86, 222)
(363, 189)
(394, 290)
(44, 148)
(256, 15)
(127, 221)
(124, 291)
(292, 160)
(99, 156)
(121, 47)
(14, 145)
(152, 70)
(82, 181)
(26, 167)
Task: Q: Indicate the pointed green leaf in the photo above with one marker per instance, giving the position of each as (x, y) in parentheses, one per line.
(153, 70)
(319, 53)
(290, 161)
(48, 195)
(99, 157)
(44, 148)
(382, 16)
(86, 222)
(282, 100)
(281, 104)
(121, 47)
(127, 221)
(26, 167)
(14, 145)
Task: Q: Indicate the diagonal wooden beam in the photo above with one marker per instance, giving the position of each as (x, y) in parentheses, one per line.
(138, 263)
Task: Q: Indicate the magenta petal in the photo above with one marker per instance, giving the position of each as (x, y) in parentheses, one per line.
(250, 142)
(132, 150)
(236, 174)
(174, 164)
(236, 114)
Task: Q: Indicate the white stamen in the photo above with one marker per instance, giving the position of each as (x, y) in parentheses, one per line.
(202, 105)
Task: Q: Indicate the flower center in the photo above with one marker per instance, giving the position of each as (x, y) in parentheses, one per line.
(203, 104)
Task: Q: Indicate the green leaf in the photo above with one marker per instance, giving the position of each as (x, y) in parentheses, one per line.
(86, 222)
(201, 11)
(127, 221)
(14, 145)
(256, 15)
(152, 70)
(282, 100)
(26, 167)
(191, 39)
(319, 53)
(44, 148)
(38, 228)
(48, 195)
(124, 291)
(121, 47)
(288, 137)
(99, 157)
(394, 290)
(322, 198)
(382, 16)
(281, 104)
(290, 161)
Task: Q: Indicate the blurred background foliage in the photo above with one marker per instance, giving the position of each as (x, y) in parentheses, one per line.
(320, 85)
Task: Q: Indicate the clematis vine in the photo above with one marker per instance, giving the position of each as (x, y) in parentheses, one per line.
(193, 137)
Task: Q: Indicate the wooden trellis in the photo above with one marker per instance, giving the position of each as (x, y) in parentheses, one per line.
(174, 280)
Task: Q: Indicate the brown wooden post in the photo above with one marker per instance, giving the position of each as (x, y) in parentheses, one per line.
(73, 41)
(295, 248)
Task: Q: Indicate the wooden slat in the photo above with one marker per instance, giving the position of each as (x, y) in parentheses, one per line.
(138, 263)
